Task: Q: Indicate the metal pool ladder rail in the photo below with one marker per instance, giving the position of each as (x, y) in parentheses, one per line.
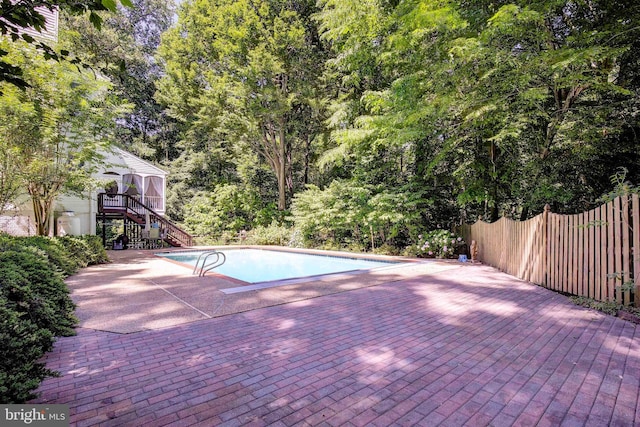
(220, 259)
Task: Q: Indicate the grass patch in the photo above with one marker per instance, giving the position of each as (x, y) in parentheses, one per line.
(611, 308)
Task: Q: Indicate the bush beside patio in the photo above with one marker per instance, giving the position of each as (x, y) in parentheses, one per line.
(35, 305)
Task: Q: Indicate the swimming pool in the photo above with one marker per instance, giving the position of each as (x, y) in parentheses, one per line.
(259, 265)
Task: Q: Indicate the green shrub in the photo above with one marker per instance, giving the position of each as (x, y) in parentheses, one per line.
(77, 249)
(228, 208)
(273, 234)
(345, 214)
(333, 216)
(387, 250)
(22, 345)
(608, 307)
(67, 254)
(58, 255)
(37, 290)
(88, 249)
(98, 254)
(35, 305)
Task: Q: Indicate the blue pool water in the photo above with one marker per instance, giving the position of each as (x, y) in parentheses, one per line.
(257, 265)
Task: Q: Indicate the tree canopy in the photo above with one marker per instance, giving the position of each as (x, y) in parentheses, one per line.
(241, 73)
(368, 123)
(52, 132)
(438, 111)
(123, 50)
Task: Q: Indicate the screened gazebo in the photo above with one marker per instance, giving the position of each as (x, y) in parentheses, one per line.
(149, 189)
(131, 207)
(137, 178)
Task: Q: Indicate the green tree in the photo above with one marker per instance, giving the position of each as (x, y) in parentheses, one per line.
(16, 131)
(333, 216)
(239, 73)
(387, 126)
(490, 108)
(67, 115)
(123, 50)
(225, 210)
(544, 91)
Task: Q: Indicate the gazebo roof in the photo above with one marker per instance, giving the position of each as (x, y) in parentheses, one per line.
(136, 164)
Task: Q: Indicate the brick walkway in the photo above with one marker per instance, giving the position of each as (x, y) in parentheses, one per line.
(466, 346)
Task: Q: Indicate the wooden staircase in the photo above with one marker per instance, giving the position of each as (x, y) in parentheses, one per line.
(124, 206)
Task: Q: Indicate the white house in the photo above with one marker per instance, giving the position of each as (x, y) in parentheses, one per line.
(50, 30)
(133, 191)
(132, 175)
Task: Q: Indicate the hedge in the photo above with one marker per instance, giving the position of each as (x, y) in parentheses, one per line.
(35, 305)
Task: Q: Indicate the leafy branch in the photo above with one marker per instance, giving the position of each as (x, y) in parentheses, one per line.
(16, 16)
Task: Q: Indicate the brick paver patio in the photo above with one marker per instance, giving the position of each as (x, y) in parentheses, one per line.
(465, 346)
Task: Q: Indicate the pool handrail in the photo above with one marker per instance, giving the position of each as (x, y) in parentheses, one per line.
(198, 261)
(208, 267)
(214, 264)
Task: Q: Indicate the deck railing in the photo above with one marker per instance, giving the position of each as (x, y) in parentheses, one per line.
(154, 202)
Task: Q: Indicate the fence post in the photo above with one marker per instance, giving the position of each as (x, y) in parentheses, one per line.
(545, 245)
(627, 261)
(635, 251)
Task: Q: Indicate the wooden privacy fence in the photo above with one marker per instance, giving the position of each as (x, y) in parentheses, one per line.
(594, 254)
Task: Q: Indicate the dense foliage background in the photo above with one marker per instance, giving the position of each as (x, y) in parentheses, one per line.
(365, 124)
(361, 124)
(389, 118)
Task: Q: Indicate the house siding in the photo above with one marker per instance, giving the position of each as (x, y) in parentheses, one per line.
(83, 208)
(17, 225)
(50, 32)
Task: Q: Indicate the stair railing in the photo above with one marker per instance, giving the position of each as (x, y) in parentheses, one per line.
(134, 208)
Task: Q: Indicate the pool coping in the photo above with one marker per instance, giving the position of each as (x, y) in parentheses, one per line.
(345, 254)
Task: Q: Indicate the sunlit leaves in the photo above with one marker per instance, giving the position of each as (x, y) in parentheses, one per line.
(15, 16)
(111, 4)
(503, 99)
(54, 128)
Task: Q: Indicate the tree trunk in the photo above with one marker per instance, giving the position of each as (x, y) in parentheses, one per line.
(282, 170)
(493, 156)
(42, 215)
(43, 199)
(307, 159)
(273, 148)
